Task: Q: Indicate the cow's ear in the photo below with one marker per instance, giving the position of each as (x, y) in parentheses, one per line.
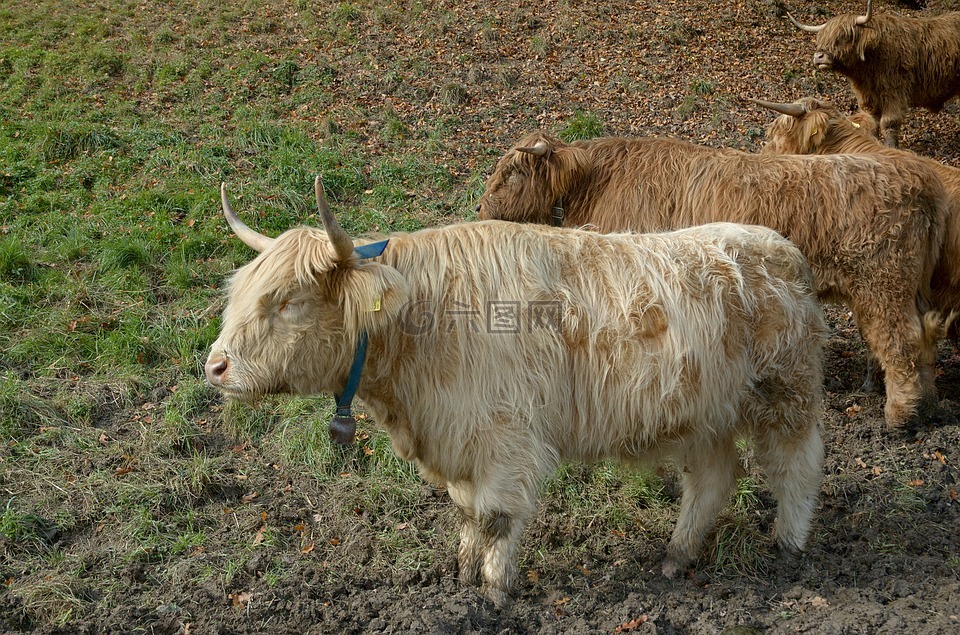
(374, 294)
(570, 165)
(867, 39)
(814, 131)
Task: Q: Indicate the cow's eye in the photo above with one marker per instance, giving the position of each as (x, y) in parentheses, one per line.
(288, 307)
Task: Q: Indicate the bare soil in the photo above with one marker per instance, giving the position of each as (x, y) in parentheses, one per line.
(884, 555)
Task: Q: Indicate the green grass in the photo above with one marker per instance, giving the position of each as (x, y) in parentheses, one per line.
(119, 123)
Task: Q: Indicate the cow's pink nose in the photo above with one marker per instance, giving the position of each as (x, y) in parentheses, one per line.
(216, 368)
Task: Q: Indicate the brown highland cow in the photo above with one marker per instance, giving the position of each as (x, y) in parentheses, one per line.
(812, 126)
(871, 228)
(893, 62)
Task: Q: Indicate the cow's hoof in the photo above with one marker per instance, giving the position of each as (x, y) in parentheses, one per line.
(499, 597)
(670, 568)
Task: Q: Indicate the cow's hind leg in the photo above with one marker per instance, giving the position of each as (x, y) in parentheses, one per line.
(792, 459)
(708, 472)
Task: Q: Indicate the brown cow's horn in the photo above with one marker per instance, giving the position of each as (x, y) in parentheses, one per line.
(342, 243)
(794, 110)
(539, 149)
(863, 19)
(805, 27)
(252, 239)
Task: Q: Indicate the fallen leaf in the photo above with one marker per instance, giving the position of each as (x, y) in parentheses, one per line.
(334, 541)
(860, 462)
(917, 482)
(819, 602)
(533, 576)
(629, 625)
(308, 548)
(584, 570)
(953, 493)
(249, 497)
(259, 537)
(561, 601)
(120, 471)
(240, 600)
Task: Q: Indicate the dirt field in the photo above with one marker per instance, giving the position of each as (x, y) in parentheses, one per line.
(884, 554)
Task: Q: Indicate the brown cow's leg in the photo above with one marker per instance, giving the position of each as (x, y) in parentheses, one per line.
(900, 341)
(707, 479)
(890, 128)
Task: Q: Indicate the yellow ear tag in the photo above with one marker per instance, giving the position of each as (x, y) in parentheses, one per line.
(855, 124)
(815, 130)
(376, 305)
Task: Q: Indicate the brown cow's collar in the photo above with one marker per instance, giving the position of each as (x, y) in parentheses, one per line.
(556, 213)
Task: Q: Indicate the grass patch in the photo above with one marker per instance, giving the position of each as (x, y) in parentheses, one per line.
(582, 125)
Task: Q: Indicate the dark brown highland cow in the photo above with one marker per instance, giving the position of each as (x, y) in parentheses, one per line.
(871, 228)
(893, 62)
(812, 126)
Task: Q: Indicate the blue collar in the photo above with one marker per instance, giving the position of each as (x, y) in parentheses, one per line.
(343, 425)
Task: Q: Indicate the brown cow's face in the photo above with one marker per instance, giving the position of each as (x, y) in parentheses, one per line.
(822, 129)
(842, 45)
(524, 184)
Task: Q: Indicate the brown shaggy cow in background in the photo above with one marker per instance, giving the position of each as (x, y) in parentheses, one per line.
(871, 228)
(812, 126)
(893, 62)
(630, 347)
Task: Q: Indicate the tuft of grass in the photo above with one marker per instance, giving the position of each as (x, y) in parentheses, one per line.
(582, 125)
(738, 549)
(130, 253)
(15, 265)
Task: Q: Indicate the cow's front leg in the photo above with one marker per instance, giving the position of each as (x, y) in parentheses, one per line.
(501, 533)
(493, 521)
(470, 556)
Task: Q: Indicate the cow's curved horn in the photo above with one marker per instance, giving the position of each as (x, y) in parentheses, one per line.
(806, 27)
(252, 239)
(794, 110)
(342, 243)
(863, 19)
(539, 149)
